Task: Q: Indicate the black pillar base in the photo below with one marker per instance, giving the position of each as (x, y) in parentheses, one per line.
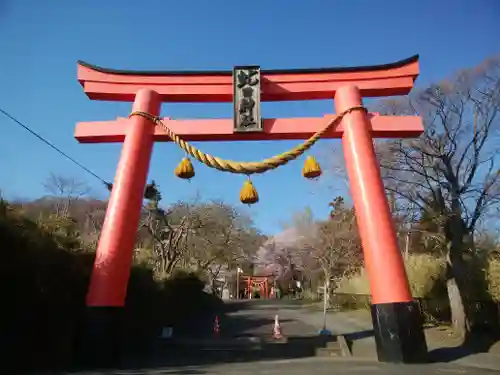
(100, 341)
(399, 333)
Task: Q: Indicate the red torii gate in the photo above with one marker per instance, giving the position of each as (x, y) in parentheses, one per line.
(261, 281)
(396, 318)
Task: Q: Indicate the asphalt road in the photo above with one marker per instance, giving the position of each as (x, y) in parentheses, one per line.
(254, 319)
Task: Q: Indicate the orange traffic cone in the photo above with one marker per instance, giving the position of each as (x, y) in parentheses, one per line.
(216, 326)
(277, 335)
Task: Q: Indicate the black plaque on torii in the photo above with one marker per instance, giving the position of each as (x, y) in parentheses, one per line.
(246, 99)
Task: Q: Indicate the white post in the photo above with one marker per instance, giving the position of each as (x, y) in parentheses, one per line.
(325, 302)
(407, 245)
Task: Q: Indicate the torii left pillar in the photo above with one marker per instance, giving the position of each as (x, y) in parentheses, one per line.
(108, 284)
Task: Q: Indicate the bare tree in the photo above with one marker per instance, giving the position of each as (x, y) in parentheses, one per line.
(334, 245)
(223, 237)
(92, 225)
(452, 171)
(168, 230)
(206, 237)
(66, 190)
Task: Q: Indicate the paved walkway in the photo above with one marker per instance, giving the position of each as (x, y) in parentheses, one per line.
(340, 323)
(256, 318)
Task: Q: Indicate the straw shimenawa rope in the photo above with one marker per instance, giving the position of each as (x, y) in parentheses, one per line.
(241, 167)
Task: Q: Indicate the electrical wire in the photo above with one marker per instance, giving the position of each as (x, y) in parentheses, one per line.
(48, 143)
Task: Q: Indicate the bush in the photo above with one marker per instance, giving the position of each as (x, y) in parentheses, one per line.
(355, 284)
(493, 277)
(44, 277)
(183, 296)
(43, 288)
(425, 275)
(311, 295)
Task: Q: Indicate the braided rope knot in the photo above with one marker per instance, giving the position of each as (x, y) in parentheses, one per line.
(241, 167)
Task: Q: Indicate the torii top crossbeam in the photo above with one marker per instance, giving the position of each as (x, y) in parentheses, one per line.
(217, 86)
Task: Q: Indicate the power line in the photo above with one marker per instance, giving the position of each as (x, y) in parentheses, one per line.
(107, 184)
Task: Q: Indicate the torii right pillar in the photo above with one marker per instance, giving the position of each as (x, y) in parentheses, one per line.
(397, 321)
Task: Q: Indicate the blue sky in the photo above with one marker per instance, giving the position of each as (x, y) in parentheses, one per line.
(42, 40)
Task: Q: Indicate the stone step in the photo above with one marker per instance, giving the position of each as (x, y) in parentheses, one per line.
(328, 352)
(255, 348)
(250, 343)
(188, 355)
(212, 342)
(332, 344)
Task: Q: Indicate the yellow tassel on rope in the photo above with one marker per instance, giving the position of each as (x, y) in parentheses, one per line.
(185, 169)
(248, 194)
(311, 168)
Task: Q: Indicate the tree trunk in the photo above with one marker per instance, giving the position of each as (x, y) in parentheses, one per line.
(456, 288)
(456, 272)
(459, 319)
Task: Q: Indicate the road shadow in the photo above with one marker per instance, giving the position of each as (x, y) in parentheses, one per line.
(218, 351)
(359, 335)
(242, 338)
(475, 343)
(231, 325)
(236, 305)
